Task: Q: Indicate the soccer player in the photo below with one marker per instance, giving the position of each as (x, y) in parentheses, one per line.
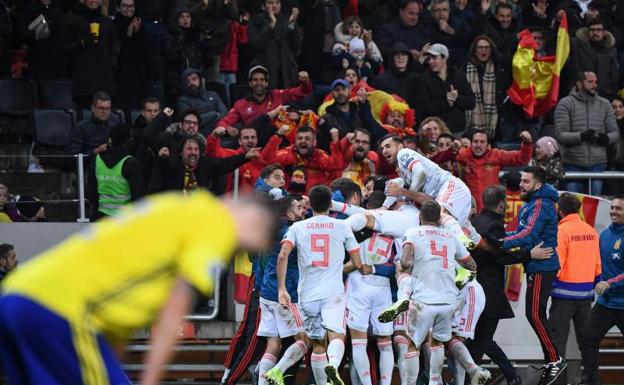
(428, 181)
(432, 254)
(277, 322)
(320, 242)
(62, 313)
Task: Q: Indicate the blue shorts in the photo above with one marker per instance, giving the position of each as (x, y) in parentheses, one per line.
(37, 346)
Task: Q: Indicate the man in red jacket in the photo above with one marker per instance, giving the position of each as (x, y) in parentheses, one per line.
(250, 171)
(260, 100)
(482, 164)
(305, 165)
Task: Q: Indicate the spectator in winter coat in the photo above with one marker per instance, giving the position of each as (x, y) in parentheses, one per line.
(44, 61)
(397, 79)
(584, 127)
(407, 29)
(91, 135)
(546, 155)
(445, 29)
(482, 164)
(260, 100)
(94, 47)
(594, 49)
(275, 41)
(135, 59)
(195, 97)
(443, 91)
(182, 50)
(502, 28)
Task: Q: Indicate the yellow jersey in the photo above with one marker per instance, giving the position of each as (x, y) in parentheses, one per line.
(116, 275)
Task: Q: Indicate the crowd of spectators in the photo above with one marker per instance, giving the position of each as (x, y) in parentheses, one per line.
(309, 68)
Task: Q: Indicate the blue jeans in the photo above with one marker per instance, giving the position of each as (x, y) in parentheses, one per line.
(228, 78)
(581, 187)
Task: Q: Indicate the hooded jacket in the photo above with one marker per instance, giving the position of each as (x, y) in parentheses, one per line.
(537, 222)
(576, 113)
(601, 58)
(199, 99)
(267, 263)
(612, 257)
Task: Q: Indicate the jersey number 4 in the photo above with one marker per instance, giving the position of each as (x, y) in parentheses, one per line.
(319, 243)
(443, 252)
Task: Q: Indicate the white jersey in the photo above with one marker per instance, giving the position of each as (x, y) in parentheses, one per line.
(376, 250)
(435, 252)
(421, 173)
(320, 243)
(395, 223)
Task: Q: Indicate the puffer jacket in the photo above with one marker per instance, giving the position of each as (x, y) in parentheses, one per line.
(611, 250)
(576, 113)
(537, 222)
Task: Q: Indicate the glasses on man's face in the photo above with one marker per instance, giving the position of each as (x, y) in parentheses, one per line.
(190, 122)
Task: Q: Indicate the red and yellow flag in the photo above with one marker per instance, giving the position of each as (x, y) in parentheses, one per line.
(536, 78)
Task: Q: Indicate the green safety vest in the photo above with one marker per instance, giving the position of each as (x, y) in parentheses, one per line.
(113, 188)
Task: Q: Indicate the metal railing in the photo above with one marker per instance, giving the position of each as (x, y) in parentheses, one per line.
(593, 175)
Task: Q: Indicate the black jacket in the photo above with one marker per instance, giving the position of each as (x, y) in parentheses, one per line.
(397, 32)
(182, 50)
(506, 40)
(398, 83)
(88, 135)
(491, 265)
(93, 63)
(131, 171)
(275, 49)
(359, 116)
(431, 98)
(168, 173)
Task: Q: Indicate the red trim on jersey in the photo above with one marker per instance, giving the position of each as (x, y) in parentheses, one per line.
(287, 241)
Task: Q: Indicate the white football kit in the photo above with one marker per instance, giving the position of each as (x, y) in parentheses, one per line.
(470, 306)
(321, 242)
(424, 175)
(434, 293)
(369, 295)
(277, 321)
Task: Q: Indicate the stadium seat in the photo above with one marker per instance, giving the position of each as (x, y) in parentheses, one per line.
(219, 89)
(117, 116)
(52, 131)
(56, 94)
(134, 114)
(17, 97)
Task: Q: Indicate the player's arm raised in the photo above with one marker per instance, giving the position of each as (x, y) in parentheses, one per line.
(164, 334)
(282, 264)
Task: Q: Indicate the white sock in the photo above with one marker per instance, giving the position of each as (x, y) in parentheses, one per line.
(355, 378)
(346, 208)
(360, 360)
(412, 367)
(462, 356)
(386, 362)
(435, 365)
(226, 373)
(425, 350)
(293, 354)
(335, 351)
(266, 363)
(400, 342)
(404, 284)
(318, 362)
(357, 221)
(459, 373)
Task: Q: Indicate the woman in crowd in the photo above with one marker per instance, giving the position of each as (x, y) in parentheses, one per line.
(546, 156)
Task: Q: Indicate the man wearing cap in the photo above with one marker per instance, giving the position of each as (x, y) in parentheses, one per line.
(116, 176)
(260, 100)
(443, 91)
(346, 115)
(398, 79)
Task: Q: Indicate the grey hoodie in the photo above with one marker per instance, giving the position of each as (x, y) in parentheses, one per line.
(576, 113)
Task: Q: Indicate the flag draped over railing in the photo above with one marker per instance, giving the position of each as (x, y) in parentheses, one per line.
(536, 78)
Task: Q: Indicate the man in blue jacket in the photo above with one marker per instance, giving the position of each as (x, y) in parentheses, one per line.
(537, 223)
(609, 308)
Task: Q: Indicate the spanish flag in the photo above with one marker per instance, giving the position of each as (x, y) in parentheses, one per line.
(536, 78)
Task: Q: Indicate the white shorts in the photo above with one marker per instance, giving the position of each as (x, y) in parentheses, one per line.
(277, 321)
(455, 197)
(422, 318)
(466, 317)
(324, 314)
(400, 322)
(364, 303)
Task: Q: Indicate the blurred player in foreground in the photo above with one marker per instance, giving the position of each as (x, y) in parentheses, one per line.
(62, 313)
